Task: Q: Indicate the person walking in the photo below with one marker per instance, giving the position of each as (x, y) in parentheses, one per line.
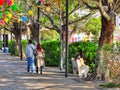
(39, 59)
(30, 56)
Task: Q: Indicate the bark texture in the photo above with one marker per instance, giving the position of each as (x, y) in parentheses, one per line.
(16, 32)
(106, 37)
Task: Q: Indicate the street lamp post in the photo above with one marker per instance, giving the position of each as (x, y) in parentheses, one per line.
(38, 21)
(20, 40)
(4, 41)
(11, 42)
(66, 54)
(38, 24)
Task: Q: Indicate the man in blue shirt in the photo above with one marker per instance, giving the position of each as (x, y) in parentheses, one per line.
(30, 56)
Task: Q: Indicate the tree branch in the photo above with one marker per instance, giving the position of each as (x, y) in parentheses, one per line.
(51, 20)
(77, 6)
(80, 19)
(102, 10)
(91, 7)
(50, 28)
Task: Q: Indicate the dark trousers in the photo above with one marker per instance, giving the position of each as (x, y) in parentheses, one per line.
(37, 68)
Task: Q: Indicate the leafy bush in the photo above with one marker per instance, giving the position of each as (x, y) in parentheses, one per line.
(13, 48)
(24, 44)
(111, 56)
(1, 44)
(52, 52)
(110, 85)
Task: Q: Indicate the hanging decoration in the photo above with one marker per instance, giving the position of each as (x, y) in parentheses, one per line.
(48, 7)
(14, 17)
(24, 18)
(6, 20)
(30, 12)
(9, 15)
(0, 15)
(14, 7)
(41, 1)
(9, 2)
(3, 15)
(2, 22)
(18, 20)
(5, 12)
(1, 2)
(12, 1)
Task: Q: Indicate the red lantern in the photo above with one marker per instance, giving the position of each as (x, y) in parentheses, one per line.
(1, 2)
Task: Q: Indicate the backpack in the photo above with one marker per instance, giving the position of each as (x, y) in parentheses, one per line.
(35, 53)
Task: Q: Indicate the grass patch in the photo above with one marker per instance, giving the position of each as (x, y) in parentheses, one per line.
(110, 85)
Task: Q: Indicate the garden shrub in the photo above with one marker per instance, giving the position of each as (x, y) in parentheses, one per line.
(1, 44)
(52, 52)
(13, 48)
(24, 44)
(111, 58)
(110, 85)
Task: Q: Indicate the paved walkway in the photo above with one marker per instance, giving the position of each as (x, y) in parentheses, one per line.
(13, 76)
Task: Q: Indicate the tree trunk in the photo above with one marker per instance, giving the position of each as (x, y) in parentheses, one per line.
(64, 41)
(16, 32)
(106, 37)
(33, 28)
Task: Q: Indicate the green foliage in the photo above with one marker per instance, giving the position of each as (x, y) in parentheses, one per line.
(1, 44)
(52, 52)
(111, 60)
(108, 47)
(24, 44)
(89, 49)
(49, 34)
(13, 47)
(94, 26)
(110, 85)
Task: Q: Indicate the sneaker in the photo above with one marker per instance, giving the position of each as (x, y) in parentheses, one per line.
(34, 72)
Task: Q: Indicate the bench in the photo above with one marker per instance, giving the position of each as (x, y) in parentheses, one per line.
(78, 68)
(74, 66)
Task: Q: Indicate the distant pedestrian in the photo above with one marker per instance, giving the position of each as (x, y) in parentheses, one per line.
(30, 56)
(40, 59)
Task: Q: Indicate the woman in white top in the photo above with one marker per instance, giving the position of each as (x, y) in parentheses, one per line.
(82, 68)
